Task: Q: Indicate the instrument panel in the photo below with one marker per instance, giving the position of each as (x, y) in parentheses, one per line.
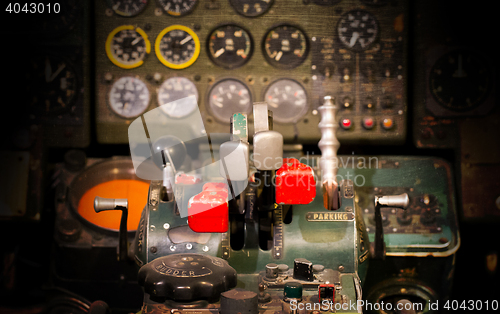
(397, 70)
(232, 53)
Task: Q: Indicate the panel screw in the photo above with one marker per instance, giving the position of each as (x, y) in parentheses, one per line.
(153, 249)
(108, 77)
(341, 268)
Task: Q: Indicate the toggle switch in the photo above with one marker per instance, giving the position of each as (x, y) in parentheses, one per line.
(303, 269)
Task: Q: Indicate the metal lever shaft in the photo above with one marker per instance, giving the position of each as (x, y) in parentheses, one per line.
(399, 201)
(104, 204)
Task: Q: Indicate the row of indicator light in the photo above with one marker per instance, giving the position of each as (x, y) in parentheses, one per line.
(367, 122)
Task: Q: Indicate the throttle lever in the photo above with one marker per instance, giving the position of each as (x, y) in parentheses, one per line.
(105, 204)
(329, 145)
(399, 201)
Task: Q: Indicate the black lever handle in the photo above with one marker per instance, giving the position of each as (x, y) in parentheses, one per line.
(104, 204)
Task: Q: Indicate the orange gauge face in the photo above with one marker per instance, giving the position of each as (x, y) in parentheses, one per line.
(135, 191)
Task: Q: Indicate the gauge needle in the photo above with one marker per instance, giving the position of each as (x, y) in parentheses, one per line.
(278, 56)
(138, 39)
(354, 38)
(219, 52)
(56, 73)
(272, 104)
(185, 40)
(48, 70)
(460, 71)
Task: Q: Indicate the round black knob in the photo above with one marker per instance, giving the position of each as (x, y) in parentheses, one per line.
(187, 277)
(75, 160)
(170, 146)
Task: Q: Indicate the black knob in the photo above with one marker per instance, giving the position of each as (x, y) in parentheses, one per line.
(187, 277)
(75, 160)
(239, 301)
(169, 146)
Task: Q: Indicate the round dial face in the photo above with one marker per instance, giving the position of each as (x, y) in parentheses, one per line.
(177, 7)
(285, 46)
(52, 85)
(287, 99)
(377, 3)
(173, 89)
(129, 97)
(251, 8)
(127, 8)
(228, 97)
(326, 2)
(230, 46)
(357, 30)
(460, 80)
(127, 46)
(177, 47)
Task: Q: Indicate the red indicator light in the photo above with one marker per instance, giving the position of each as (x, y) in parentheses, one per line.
(345, 123)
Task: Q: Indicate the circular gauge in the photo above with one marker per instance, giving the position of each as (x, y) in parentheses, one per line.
(228, 97)
(251, 8)
(230, 46)
(357, 30)
(177, 47)
(375, 3)
(129, 97)
(326, 2)
(285, 46)
(52, 85)
(173, 89)
(127, 46)
(287, 99)
(177, 7)
(127, 8)
(460, 80)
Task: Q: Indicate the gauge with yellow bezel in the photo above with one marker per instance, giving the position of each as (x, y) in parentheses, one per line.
(177, 7)
(127, 8)
(177, 47)
(127, 46)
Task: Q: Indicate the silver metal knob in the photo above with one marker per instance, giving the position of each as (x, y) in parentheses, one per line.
(399, 201)
(103, 204)
(329, 145)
